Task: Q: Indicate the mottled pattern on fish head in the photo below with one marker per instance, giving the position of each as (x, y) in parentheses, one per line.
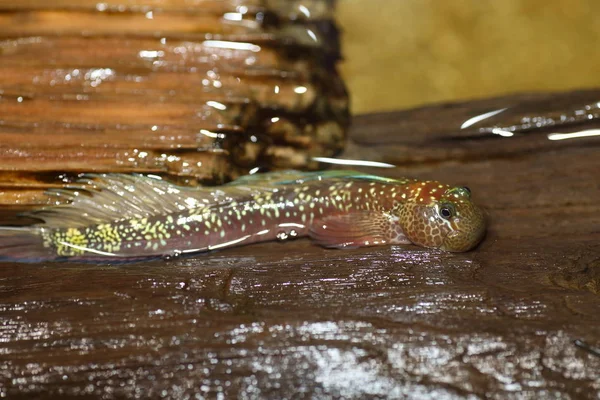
(436, 215)
(466, 220)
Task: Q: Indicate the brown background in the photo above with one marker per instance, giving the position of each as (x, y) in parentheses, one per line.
(402, 53)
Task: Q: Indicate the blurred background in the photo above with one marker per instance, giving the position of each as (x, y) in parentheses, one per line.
(406, 53)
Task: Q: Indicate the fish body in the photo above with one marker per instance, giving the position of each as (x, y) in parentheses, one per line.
(130, 218)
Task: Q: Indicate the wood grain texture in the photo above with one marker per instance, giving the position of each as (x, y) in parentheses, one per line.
(194, 90)
(292, 320)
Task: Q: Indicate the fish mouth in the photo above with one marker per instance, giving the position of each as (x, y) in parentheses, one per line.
(460, 241)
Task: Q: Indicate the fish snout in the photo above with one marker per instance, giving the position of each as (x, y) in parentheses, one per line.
(464, 240)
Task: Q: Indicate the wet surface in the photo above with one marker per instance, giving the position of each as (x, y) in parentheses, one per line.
(516, 318)
(261, 322)
(197, 91)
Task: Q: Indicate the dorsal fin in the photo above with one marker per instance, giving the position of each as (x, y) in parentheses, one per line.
(96, 199)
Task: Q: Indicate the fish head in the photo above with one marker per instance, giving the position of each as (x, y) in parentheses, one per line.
(451, 221)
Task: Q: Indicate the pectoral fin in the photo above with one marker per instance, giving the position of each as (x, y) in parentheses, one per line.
(351, 230)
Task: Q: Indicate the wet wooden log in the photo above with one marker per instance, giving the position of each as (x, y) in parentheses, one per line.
(516, 318)
(198, 92)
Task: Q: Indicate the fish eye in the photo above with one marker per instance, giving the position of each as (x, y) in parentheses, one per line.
(446, 212)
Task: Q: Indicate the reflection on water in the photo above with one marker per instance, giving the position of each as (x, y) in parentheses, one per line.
(532, 117)
(481, 117)
(502, 132)
(232, 45)
(574, 135)
(355, 163)
(476, 130)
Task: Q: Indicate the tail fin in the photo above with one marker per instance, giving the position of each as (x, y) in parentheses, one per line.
(23, 245)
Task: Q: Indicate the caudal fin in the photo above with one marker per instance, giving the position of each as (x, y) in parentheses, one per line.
(23, 245)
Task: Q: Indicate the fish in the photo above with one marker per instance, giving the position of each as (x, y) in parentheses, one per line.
(120, 218)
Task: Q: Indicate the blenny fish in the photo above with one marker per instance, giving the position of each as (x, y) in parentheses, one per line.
(127, 218)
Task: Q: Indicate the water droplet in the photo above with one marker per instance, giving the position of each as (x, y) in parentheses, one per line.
(173, 255)
(282, 235)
